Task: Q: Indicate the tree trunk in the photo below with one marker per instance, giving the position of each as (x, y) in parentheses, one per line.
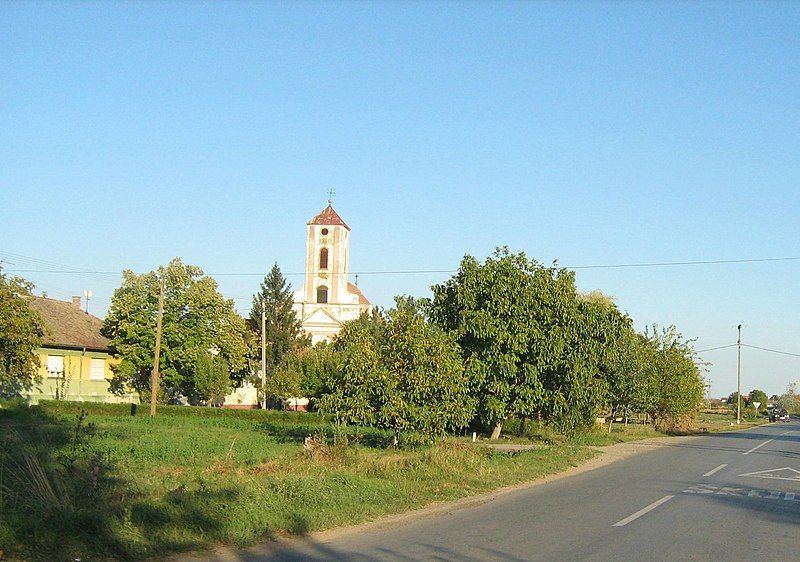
(497, 429)
(522, 426)
(610, 423)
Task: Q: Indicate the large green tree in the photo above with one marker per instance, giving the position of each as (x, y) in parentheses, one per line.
(628, 379)
(406, 375)
(359, 384)
(676, 387)
(500, 312)
(428, 389)
(282, 327)
(21, 330)
(615, 352)
(198, 321)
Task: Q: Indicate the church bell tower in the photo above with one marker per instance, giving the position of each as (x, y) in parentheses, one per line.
(326, 258)
(327, 299)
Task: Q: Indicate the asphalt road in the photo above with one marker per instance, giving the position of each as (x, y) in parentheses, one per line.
(731, 496)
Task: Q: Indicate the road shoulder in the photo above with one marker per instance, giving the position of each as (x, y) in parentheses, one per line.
(606, 456)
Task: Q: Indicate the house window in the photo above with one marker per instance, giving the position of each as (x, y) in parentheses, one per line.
(97, 369)
(323, 258)
(55, 366)
(322, 294)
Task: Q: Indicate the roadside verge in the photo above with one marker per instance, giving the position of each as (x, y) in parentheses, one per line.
(606, 456)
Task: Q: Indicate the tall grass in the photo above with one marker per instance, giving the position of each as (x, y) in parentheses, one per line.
(116, 485)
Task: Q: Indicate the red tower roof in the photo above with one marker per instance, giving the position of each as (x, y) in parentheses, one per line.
(329, 217)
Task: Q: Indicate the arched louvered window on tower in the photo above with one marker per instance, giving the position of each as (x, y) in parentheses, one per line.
(323, 258)
(322, 294)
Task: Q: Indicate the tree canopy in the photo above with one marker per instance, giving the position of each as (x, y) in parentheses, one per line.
(757, 395)
(676, 386)
(402, 373)
(490, 309)
(21, 331)
(282, 327)
(534, 346)
(197, 322)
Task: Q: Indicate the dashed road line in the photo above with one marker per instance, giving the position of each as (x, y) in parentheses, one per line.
(757, 447)
(712, 472)
(642, 511)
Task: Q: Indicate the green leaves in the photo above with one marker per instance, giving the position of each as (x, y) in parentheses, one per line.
(676, 387)
(501, 313)
(197, 322)
(400, 373)
(533, 346)
(282, 327)
(21, 331)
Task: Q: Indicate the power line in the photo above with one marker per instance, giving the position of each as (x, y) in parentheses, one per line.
(748, 345)
(716, 348)
(40, 262)
(430, 271)
(664, 264)
(772, 350)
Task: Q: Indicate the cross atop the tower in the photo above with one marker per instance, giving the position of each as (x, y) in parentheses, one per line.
(331, 193)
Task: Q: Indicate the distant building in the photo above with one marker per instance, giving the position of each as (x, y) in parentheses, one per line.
(328, 299)
(74, 359)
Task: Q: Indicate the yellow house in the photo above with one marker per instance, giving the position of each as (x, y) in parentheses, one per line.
(74, 360)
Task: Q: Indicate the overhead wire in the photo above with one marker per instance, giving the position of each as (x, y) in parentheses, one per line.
(715, 348)
(771, 350)
(431, 271)
(750, 346)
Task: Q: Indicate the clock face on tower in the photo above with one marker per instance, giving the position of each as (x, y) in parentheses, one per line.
(324, 231)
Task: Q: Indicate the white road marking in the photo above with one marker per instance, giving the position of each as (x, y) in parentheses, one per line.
(742, 492)
(701, 489)
(787, 432)
(731, 492)
(711, 472)
(757, 447)
(785, 473)
(642, 511)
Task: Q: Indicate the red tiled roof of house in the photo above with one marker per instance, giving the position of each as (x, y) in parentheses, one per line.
(356, 291)
(329, 217)
(67, 326)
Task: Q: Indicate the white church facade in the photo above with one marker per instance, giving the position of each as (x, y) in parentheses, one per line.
(327, 299)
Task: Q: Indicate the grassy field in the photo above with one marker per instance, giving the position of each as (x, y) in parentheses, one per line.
(114, 485)
(715, 421)
(93, 481)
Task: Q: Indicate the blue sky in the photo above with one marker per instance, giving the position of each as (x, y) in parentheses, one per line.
(590, 133)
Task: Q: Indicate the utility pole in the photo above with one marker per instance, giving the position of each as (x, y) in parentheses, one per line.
(739, 378)
(264, 350)
(154, 380)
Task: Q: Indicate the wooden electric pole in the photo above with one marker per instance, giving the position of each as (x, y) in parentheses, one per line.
(154, 380)
(264, 350)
